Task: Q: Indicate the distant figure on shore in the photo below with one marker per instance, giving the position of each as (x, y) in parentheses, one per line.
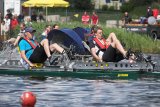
(7, 21)
(21, 18)
(126, 19)
(94, 19)
(9, 14)
(4, 30)
(34, 17)
(85, 18)
(14, 22)
(148, 14)
(41, 17)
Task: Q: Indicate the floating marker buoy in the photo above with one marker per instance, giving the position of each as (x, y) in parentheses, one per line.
(28, 99)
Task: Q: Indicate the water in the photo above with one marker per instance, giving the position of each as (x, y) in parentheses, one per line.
(73, 92)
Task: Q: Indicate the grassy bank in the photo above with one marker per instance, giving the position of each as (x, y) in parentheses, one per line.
(134, 41)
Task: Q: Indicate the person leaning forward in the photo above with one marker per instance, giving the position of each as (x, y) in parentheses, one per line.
(105, 49)
(34, 52)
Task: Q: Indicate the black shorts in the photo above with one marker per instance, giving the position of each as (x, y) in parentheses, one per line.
(109, 55)
(38, 55)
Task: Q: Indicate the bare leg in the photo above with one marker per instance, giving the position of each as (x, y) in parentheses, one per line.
(45, 44)
(52, 47)
(116, 43)
(64, 57)
(56, 47)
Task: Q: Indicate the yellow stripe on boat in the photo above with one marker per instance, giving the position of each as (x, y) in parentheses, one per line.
(122, 75)
(37, 65)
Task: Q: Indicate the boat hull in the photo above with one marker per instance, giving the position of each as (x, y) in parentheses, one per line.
(83, 69)
(83, 74)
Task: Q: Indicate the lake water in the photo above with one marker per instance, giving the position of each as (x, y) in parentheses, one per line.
(73, 92)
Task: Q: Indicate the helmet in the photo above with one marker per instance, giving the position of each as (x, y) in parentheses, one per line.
(28, 99)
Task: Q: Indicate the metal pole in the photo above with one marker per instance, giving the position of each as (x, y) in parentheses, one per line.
(66, 14)
(46, 13)
(0, 23)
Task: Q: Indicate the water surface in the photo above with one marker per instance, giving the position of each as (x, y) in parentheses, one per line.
(73, 92)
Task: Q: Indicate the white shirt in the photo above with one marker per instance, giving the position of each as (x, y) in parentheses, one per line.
(7, 22)
(4, 29)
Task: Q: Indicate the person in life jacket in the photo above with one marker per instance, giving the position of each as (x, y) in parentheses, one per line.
(105, 49)
(34, 52)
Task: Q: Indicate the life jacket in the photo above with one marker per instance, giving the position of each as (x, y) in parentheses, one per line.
(31, 44)
(100, 45)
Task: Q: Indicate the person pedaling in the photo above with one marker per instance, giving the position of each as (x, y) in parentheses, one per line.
(108, 50)
(101, 49)
(34, 52)
(33, 45)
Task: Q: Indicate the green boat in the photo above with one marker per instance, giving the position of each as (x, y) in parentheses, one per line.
(84, 69)
(81, 66)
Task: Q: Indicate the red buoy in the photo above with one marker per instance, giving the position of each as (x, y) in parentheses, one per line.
(28, 99)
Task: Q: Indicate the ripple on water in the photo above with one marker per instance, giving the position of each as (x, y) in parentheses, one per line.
(72, 92)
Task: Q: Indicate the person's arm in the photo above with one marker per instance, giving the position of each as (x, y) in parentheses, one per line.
(130, 19)
(16, 41)
(97, 21)
(91, 20)
(93, 52)
(87, 19)
(82, 19)
(23, 55)
(1, 29)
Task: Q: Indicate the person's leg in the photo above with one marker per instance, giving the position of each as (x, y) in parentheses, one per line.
(51, 48)
(45, 44)
(112, 39)
(56, 47)
(64, 56)
(109, 55)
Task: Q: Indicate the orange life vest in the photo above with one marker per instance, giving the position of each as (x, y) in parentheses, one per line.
(32, 45)
(100, 45)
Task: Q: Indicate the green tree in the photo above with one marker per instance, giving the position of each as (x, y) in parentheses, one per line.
(129, 6)
(81, 4)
